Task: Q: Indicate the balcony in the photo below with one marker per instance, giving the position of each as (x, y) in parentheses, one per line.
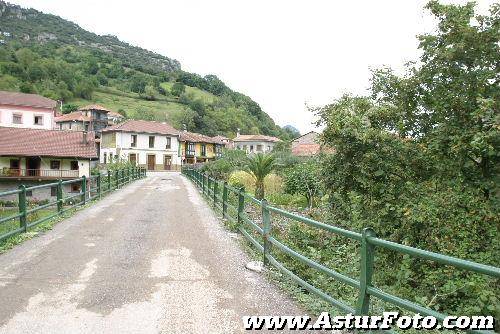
(11, 173)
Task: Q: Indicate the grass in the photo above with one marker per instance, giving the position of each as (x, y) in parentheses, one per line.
(196, 92)
(135, 106)
(34, 231)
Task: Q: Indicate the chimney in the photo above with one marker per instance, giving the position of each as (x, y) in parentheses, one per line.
(84, 137)
(238, 132)
(184, 127)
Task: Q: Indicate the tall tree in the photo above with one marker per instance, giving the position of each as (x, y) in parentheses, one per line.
(259, 166)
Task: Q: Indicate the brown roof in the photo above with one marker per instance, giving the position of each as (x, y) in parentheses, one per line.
(94, 107)
(115, 114)
(256, 138)
(143, 127)
(306, 150)
(197, 138)
(50, 143)
(73, 116)
(26, 100)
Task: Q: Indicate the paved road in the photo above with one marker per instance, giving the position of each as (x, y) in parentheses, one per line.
(151, 258)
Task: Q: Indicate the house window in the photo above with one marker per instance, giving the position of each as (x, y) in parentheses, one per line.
(55, 164)
(251, 148)
(74, 165)
(190, 149)
(75, 187)
(133, 142)
(17, 118)
(38, 120)
(203, 150)
(70, 125)
(169, 143)
(53, 191)
(269, 148)
(151, 141)
(259, 148)
(29, 193)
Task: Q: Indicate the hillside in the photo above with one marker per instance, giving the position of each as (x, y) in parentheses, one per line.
(45, 54)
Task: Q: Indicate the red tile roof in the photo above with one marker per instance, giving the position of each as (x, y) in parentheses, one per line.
(194, 137)
(140, 126)
(73, 116)
(115, 114)
(50, 143)
(26, 100)
(256, 138)
(94, 107)
(306, 150)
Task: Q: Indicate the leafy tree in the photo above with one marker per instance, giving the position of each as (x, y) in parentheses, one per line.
(259, 166)
(304, 179)
(68, 107)
(150, 93)
(420, 158)
(138, 83)
(230, 161)
(178, 89)
(84, 89)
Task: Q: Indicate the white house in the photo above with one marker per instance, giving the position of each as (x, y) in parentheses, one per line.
(153, 145)
(19, 110)
(36, 156)
(255, 143)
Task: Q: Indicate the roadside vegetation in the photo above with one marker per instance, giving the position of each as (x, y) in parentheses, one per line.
(417, 160)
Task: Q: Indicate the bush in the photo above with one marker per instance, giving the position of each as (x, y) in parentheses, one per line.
(273, 183)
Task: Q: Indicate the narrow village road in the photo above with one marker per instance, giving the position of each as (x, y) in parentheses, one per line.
(150, 258)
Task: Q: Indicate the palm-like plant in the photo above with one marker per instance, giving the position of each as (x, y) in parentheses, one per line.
(259, 166)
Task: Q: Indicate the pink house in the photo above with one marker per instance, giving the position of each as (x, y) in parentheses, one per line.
(20, 110)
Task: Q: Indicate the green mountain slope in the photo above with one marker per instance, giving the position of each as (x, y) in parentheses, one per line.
(45, 54)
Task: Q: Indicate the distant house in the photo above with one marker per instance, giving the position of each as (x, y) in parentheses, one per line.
(35, 156)
(196, 148)
(225, 141)
(20, 110)
(153, 145)
(115, 118)
(255, 143)
(88, 118)
(306, 145)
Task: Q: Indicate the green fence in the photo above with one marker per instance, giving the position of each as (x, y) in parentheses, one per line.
(233, 204)
(91, 188)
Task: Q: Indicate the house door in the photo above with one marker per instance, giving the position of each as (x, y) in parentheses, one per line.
(167, 162)
(132, 158)
(15, 167)
(151, 162)
(33, 166)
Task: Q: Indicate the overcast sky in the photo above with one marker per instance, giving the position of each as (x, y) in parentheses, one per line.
(282, 53)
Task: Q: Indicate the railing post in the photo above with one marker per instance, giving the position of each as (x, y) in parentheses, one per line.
(266, 224)
(59, 196)
(22, 207)
(215, 193)
(99, 185)
(224, 199)
(241, 205)
(203, 183)
(116, 179)
(109, 180)
(366, 271)
(84, 189)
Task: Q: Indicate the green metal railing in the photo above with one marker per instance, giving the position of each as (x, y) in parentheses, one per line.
(218, 193)
(91, 188)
